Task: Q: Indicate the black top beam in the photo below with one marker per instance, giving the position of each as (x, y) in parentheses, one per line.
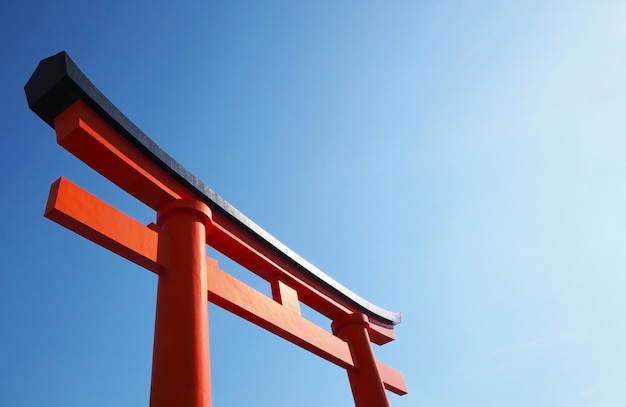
(57, 83)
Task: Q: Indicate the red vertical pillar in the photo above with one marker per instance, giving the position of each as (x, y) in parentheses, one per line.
(180, 365)
(367, 386)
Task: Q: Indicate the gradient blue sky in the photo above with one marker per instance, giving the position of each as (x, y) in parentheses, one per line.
(461, 162)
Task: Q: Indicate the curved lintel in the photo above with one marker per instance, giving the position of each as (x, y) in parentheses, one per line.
(57, 83)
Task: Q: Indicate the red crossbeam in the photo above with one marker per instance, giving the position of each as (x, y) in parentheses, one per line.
(83, 133)
(90, 217)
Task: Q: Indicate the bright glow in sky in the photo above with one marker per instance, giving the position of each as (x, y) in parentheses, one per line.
(461, 162)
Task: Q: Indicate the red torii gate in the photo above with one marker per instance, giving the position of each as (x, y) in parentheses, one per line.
(190, 215)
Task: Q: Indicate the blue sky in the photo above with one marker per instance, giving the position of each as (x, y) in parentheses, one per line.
(461, 162)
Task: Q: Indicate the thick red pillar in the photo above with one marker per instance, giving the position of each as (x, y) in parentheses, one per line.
(180, 366)
(367, 386)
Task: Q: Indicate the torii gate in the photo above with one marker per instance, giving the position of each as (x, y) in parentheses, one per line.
(190, 215)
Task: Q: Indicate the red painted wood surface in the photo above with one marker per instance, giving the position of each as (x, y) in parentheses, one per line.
(83, 133)
(175, 250)
(367, 385)
(180, 362)
(85, 214)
